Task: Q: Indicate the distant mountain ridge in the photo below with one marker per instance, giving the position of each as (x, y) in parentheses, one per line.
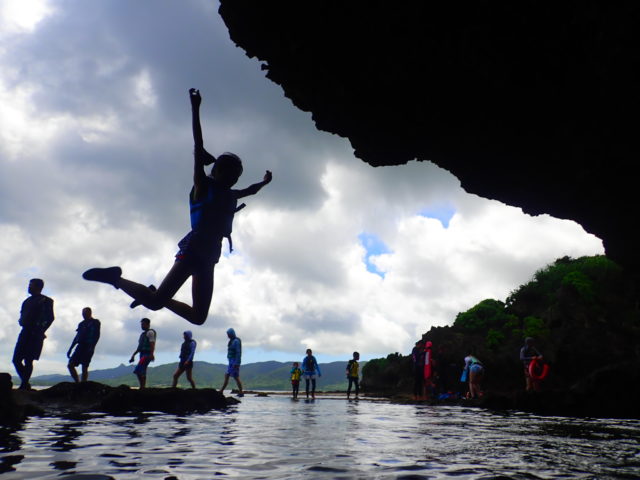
(269, 375)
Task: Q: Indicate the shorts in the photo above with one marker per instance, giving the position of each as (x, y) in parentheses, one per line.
(29, 345)
(81, 356)
(187, 252)
(295, 382)
(476, 369)
(309, 376)
(233, 370)
(185, 365)
(143, 363)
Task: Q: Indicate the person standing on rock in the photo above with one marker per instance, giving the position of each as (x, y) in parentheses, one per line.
(87, 336)
(428, 371)
(36, 316)
(417, 359)
(309, 368)
(146, 349)
(187, 351)
(353, 374)
(295, 373)
(527, 353)
(475, 373)
(234, 356)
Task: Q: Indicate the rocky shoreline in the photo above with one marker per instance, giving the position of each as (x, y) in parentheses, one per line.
(67, 398)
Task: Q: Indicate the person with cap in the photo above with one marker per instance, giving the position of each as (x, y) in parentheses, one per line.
(187, 351)
(234, 356)
(146, 349)
(213, 204)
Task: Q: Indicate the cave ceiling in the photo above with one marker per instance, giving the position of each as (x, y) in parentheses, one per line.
(534, 104)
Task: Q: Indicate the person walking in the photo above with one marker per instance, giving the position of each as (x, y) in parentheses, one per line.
(234, 356)
(87, 336)
(187, 351)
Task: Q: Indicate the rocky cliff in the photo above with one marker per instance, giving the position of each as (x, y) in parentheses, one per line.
(533, 104)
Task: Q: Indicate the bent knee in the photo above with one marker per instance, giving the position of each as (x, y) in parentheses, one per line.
(198, 319)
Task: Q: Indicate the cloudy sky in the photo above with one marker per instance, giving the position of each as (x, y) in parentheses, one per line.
(95, 170)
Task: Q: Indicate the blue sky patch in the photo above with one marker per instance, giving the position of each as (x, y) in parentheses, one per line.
(444, 213)
(374, 246)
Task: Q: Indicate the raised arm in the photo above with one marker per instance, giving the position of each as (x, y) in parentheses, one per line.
(255, 188)
(196, 100)
(200, 156)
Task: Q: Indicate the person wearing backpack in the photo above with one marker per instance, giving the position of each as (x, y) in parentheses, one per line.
(309, 368)
(353, 374)
(146, 349)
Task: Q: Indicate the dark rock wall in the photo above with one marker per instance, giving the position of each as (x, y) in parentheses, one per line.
(534, 104)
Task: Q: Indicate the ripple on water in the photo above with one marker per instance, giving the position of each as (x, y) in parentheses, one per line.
(274, 438)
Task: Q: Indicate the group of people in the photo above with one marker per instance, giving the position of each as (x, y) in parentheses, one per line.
(36, 316)
(212, 204)
(309, 370)
(425, 370)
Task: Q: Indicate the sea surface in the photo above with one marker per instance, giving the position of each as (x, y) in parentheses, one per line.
(275, 437)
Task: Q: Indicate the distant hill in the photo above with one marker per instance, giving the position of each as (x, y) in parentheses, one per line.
(270, 375)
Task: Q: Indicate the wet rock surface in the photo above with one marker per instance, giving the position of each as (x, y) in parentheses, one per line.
(76, 398)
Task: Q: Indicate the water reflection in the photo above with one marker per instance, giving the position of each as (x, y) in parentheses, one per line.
(64, 436)
(10, 441)
(276, 438)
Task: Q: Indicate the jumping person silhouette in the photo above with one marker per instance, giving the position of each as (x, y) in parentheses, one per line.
(212, 204)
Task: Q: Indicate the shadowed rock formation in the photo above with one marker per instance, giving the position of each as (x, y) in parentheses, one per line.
(533, 104)
(76, 398)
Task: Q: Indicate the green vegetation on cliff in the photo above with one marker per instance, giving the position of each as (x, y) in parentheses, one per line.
(583, 313)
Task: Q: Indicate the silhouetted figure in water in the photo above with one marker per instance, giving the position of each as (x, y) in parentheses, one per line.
(309, 368)
(87, 336)
(234, 356)
(146, 349)
(212, 205)
(187, 351)
(353, 374)
(36, 316)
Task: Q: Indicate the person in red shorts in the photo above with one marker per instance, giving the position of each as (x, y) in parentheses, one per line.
(146, 348)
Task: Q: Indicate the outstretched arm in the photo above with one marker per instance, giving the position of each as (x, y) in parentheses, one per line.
(200, 156)
(255, 188)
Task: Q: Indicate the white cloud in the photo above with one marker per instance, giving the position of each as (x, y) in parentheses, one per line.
(95, 165)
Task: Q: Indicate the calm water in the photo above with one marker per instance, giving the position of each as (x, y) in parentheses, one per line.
(276, 438)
